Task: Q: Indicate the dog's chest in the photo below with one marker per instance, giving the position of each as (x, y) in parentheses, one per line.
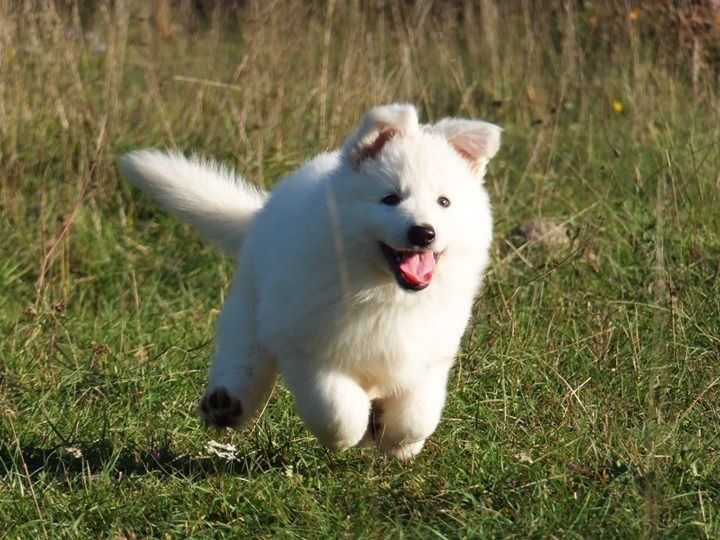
(383, 343)
(390, 345)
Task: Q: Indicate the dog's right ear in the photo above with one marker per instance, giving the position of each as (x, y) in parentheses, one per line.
(380, 125)
(474, 140)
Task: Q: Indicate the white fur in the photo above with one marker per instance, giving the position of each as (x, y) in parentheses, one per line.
(314, 296)
(205, 195)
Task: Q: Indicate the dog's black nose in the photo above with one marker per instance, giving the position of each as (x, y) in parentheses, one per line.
(421, 235)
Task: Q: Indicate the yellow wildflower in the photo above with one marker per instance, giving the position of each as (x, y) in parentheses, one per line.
(617, 106)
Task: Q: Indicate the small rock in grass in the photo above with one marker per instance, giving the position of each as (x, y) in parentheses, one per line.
(545, 233)
(550, 238)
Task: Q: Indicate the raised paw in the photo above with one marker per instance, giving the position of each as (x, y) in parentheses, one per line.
(220, 409)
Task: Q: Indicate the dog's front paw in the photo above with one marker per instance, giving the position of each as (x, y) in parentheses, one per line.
(220, 408)
(398, 446)
(403, 451)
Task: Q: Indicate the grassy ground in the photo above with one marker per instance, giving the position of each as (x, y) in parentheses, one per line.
(585, 400)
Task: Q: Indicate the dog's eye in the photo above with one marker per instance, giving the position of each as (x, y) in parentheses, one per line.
(391, 200)
(443, 201)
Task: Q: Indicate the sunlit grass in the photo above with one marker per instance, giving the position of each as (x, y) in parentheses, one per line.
(585, 400)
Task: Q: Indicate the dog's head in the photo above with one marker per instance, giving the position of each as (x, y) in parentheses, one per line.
(417, 191)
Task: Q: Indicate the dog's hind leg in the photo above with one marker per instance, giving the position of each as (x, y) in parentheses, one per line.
(242, 373)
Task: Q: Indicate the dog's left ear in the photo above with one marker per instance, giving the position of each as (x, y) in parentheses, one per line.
(378, 127)
(475, 140)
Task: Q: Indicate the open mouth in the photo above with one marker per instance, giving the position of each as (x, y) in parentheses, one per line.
(413, 269)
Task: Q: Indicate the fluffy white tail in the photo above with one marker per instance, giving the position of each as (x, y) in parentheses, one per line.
(205, 195)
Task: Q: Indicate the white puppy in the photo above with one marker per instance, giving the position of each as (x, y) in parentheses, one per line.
(356, 275)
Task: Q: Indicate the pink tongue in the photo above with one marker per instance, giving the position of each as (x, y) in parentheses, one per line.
(419, 267)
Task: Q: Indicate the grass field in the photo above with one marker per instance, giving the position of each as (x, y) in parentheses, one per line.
(586, 398)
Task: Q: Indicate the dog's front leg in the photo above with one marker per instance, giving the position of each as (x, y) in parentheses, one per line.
(407, 419)
(332, 405)
(242, 372)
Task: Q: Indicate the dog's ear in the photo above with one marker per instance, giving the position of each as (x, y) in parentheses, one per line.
(380, 125)
(475, 140)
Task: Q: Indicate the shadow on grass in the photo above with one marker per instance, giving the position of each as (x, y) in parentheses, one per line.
(104, 458)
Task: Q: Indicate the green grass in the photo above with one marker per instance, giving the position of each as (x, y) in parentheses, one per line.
(585, 399)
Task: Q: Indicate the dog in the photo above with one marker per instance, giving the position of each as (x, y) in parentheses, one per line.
(356, 275)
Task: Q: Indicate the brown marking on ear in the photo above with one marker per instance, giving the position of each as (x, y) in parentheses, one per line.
(373, 149)
(464, 153)
(475, 141)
